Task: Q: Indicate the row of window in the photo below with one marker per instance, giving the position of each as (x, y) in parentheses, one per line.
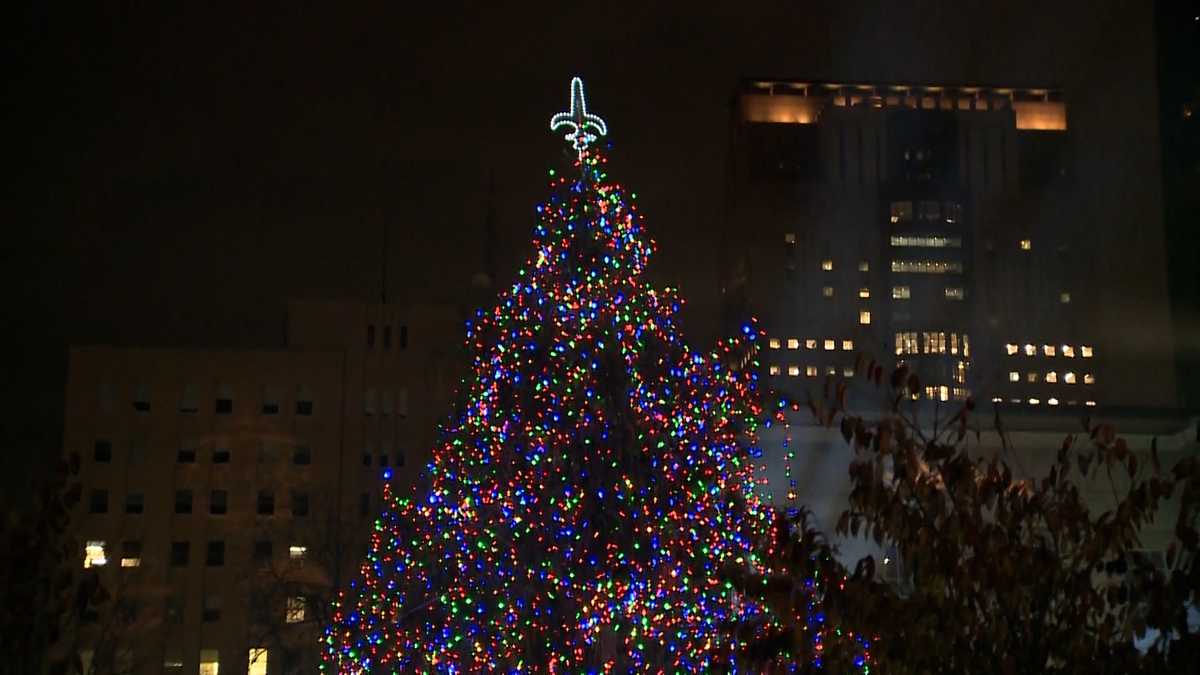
(926, 241)
(946, 393)
(1051, 377)
(102, 452)
(218, 502)
(829, 344)
(932, 342)
(95, 553)
(810, 371)
(928, 211)
(1037, 401)
(1068, 351)
(387, 336)
(189, 401)
(827, 264)
(927, 266)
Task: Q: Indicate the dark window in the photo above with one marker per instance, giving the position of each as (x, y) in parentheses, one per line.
(180, 552)
(134, 502)
(216, 554)
(299, 504)
(266, 503)
(187, 456)
(189, 404)
(262, 552)
(302, 455)
(183, 501)
(271, 408)
(98, 502)
(366, 459)
(141, 400)
(387, 337)
(102, 451)
(220, 456)
(400, 458)
(364, 504)
(224, 406)
(304, 408)
(219, 504)
(370, 336)
(383, 460)
(174, 609)
(131, 550)
(212, 607)
(403, 337)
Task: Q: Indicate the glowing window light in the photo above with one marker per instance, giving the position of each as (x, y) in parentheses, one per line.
(1090, 404)
(297, 552)
(1052, 401)
(901, 292)
(830, 345)
(1052, 377)
(256, 661)
(847, 345)
(1048, 350)
(831, 370)
(1014, 376)
(954, 293)
(789, 238)
(864, 293)
(1026, 245)
(997, 399)
(827, 265)
(1068, 351)
(827, 291)
(1069, 378)
(793, 343)
(793, 370)
(774, 370)
(864, 266)
(1011, 349)
(295, 610)
(1088, 378)
(1030, 350)
(94, 555)
(810, 371)
(1032, 377)
(1034, 401)
(1085, 351)
(1064, 298)
(848, 371)
(810, 343)
(773, 343)
(864, 317)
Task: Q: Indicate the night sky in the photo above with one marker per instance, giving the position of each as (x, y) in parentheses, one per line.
(183, 170)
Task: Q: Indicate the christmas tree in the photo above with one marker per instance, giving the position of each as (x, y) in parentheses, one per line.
(595, 480)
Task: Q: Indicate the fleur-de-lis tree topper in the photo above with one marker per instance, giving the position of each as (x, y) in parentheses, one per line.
(578, 121)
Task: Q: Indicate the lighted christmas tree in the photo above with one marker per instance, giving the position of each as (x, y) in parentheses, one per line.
(595, 479)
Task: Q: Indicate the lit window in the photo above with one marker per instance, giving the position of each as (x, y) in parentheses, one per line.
(1031, 377)
(1026, 245)
(257, 661)
(1088, 378)
(864, 317)
(954, 293)
(831, 370)
(906, 343)
(793, 370)
(847, 345)
(774, 343)
(1069, 377)
(1085, 351)
(1011, 348)
(1090, 404)
(1014, 400)
(1052, 401)
(1052, 377)
(93, 555)
(1064, 298)
(830, 345)
(1030, 350)
(793, 343)
(297, 552)
(901, 293)
(900, 240)
(810, 343)
(864, 293)
(864, 266)
(1014, 376)
(848, 371)
(827, 265)
(774, 370)
(827, 291)
(295, 610)
(997, 399)
(928, 266)
(209, 661)
(901, 212)
(1068, 351)
(1048, 350)
(810, 371)
(789, 238)
(1034, 401)
(131, 554)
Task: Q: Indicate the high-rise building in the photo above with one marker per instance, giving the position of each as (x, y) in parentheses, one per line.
(951, 228)
(227, 492)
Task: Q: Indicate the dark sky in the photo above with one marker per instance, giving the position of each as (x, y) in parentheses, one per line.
(183, 168)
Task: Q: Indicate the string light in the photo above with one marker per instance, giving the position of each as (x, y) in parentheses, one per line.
(578, 120)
